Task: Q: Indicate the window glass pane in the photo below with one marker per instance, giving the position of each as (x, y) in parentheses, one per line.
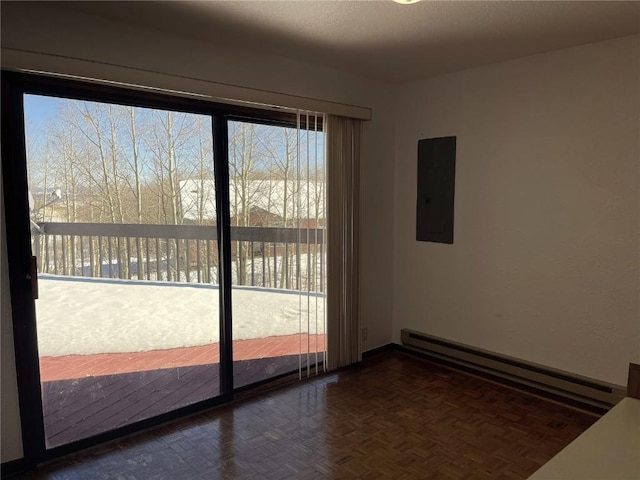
(277, 189)
(127, 318)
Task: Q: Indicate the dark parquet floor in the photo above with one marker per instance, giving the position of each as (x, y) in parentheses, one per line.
(395, 417)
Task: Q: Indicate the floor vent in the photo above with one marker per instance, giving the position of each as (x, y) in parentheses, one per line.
(581, 389)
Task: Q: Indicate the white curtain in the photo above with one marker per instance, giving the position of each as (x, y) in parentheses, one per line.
(343, 194)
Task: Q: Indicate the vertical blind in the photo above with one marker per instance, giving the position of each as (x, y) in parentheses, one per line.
(310, 194)
(327, 196)
(343, 293)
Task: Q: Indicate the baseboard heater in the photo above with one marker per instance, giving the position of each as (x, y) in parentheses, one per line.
(567, 385)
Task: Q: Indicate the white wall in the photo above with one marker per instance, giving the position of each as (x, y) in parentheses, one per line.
(43, 28)
(545, 261)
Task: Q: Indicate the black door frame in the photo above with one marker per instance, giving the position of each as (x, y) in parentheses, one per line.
(14, 170)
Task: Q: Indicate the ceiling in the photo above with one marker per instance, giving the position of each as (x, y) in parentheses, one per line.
(379, 38)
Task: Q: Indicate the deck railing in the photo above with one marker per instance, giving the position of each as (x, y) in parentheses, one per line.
(272, 257)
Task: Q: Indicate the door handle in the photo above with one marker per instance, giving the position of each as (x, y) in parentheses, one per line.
(33, 276)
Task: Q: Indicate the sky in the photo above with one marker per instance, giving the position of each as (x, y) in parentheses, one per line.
(39, 110)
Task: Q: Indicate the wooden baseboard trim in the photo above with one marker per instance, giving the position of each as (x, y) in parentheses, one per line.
(378, 350)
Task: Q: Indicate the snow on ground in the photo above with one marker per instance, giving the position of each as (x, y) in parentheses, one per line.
(84, 315)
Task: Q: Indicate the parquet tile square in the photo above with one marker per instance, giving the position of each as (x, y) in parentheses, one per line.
(395, 417)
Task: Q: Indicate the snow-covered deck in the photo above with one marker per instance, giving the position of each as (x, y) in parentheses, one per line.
(82, 316)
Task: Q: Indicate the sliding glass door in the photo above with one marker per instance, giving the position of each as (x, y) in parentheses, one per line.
(163, 252)
(127, 314)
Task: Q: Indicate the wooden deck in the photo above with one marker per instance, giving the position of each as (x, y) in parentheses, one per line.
(84, 395)
(68, 367)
